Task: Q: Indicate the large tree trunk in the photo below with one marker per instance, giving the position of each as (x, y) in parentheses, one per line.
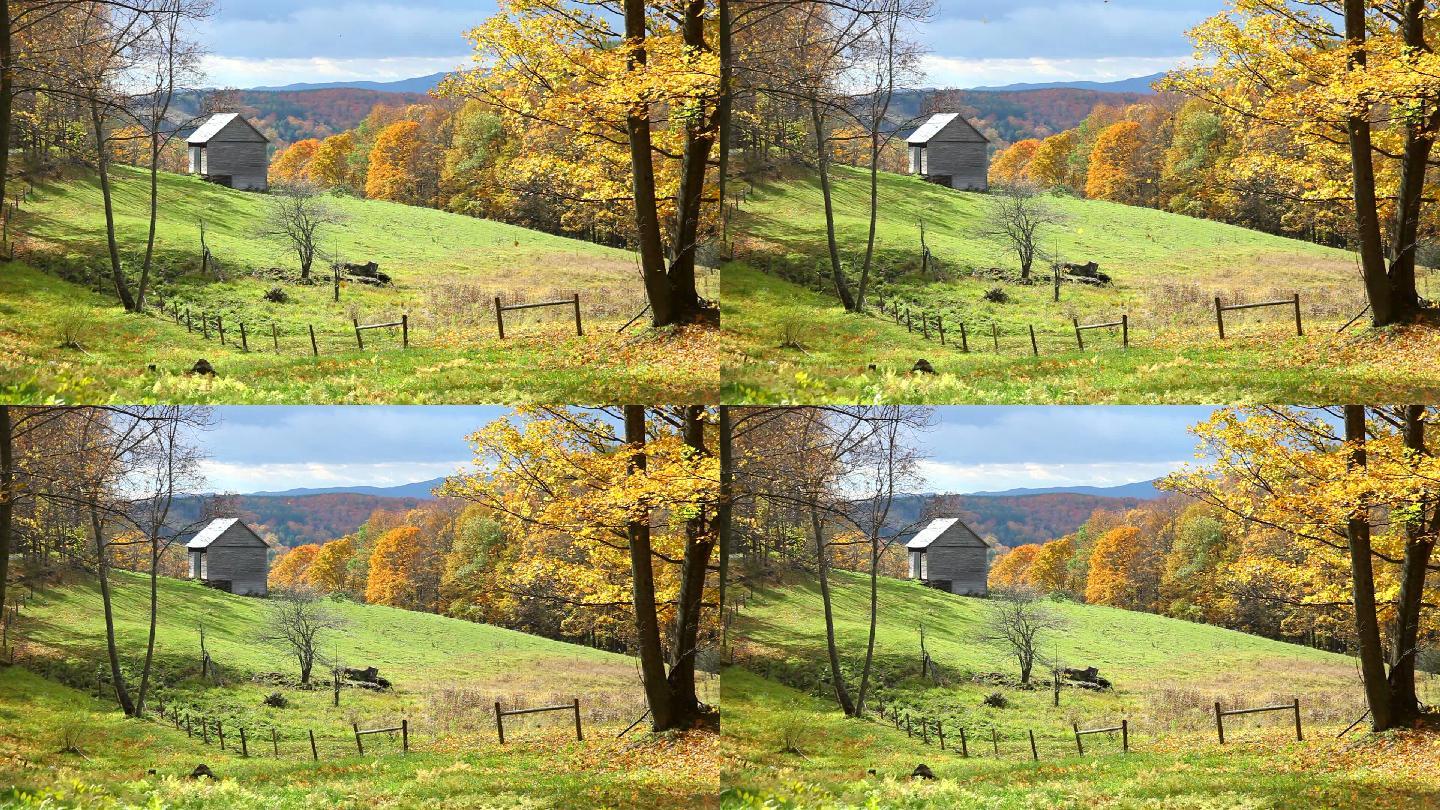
(690, 198)
(7, 90)
(723, 509)
(874, 610)
(1362, 580)
(642, 172)
(7, 495)
(822, 160)
(1419, 143)
(822, 564)
(699, 546)
(647, 622)
(1367, 217)
(102, 164)
(1419, 548)
(723, 112)
(102, 568)
(143, 286)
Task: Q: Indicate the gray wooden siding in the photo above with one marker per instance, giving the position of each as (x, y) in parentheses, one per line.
(240, 153)
(241, 559)
(967, 163)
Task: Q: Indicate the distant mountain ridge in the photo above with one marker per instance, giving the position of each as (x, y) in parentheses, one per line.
(1137, 84)
(417, 84)
(1145, 490)
(417, 489)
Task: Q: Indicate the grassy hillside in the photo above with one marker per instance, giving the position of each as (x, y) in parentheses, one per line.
(447, 271)
(1166, 675)
(1167, 270)
(446, 676)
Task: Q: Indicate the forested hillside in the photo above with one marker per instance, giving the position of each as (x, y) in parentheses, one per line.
(300, 519)
(1012, 520)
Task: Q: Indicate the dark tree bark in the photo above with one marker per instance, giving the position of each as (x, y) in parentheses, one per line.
(822, 564)
(1362, 579)
(1419, 548)
(1367, 216)
(642, 172)
(102, 567)
(724, 509)
(7, 494)
(102, 164)
(699, 547)
(647, 622)
(822, 159)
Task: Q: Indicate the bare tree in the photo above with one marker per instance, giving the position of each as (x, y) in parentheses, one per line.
(298, 620)
(1016, 623)
(1015, 219)
(298, 213)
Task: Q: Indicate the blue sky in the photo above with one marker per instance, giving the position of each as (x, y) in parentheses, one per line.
(972, 449)
(264, 448)
(258, 448)
(972, 42)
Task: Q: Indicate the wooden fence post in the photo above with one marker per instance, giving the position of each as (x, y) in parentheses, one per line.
(1220, 317)
(405, 734)
(964, 744)
(1079, 338)
(244, 341)
(908, 327)
(220, 327)
(1125, 735)
(1299, 328)
(359, 746)
(1125, 331)
(940, 327)
(578, 735)
(220, 733)
(579, 331)
(995, 335)
(907, 725)
(925, 730)
(499, 718)
(500, 317)
(940, 732)
(1219, 718)
(405, 331)
(205, 325)
(1034, 346)
(995, 741)
(359, 342)
(1034, 752)
(205, 731)
(314, 752)
(188, 327)
(275, 337)
(925, 324)
(188, 732)
(314, 347)
(1079, 746)
(964, 339)
(1299, 735)
(244, 745)
(274, 742)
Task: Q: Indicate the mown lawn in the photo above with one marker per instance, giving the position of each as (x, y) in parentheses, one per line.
(446, 676)
(60, 341)
(790, 343)
(791, 750)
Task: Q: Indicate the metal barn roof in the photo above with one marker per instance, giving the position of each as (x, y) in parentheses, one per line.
(933, 532)
(214, 529)
(937, 123)
(217, 122)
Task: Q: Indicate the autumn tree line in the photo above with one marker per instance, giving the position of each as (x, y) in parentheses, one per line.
(1310, 525)
(1315, 120)
(594, 525)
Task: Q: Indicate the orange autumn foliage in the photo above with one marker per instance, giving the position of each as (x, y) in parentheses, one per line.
(393, 563)
(1111, 564)
(1012, 165)
(391, 175)
(1049, 571)
(328, 571)
(289, 571)
(1010, 571)
(293, 164)
(1112, 174)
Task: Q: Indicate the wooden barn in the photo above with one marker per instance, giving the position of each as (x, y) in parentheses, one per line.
(228, 555)
(229, 150)
(948, 555)
(949, 150)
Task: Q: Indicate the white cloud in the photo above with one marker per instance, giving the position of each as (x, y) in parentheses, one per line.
(949, 477)
(223, 476)
(230, 71)
(947, 71)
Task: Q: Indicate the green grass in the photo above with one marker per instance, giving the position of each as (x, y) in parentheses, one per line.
(447, 271)
(1167, 269)
(446, 674)
(794, 746)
